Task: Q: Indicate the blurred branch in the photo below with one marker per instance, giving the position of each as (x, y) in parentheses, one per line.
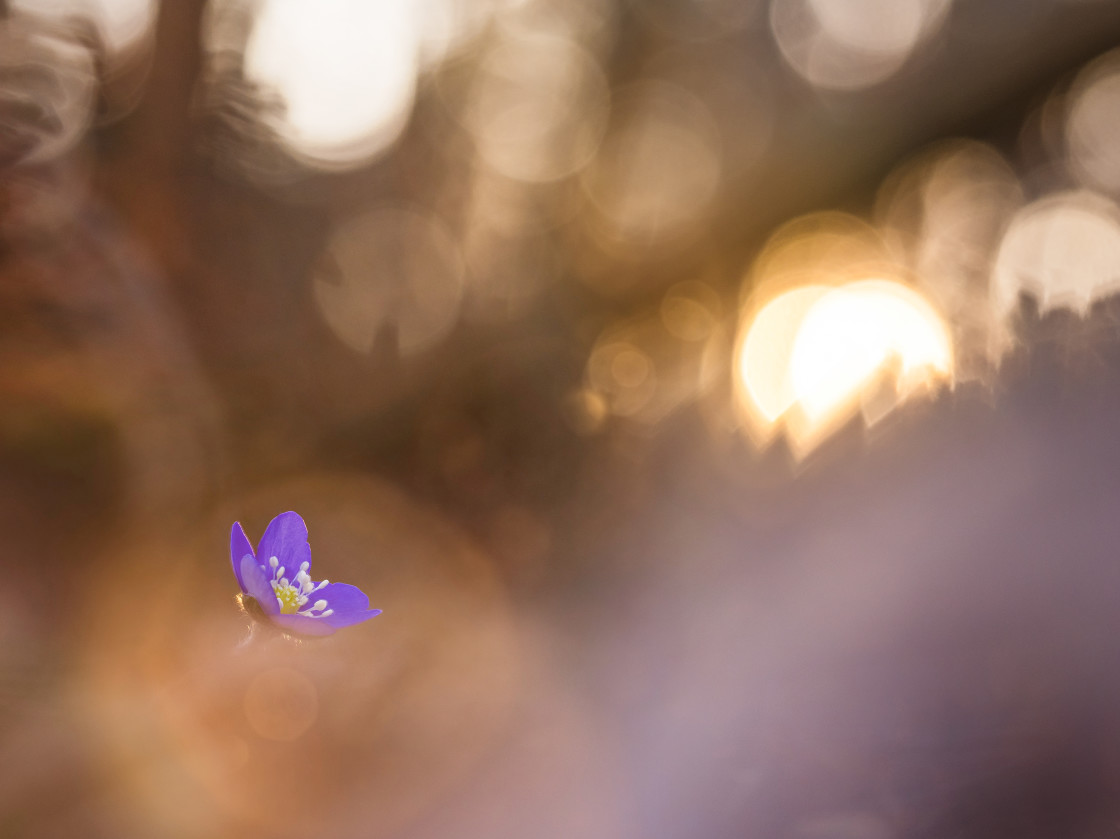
(163, 120)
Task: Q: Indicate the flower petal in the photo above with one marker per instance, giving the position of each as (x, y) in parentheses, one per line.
(300, 625)
(286, 539)
(350, 604)
(342, 597)
(256, 585)
(239, 546)
(339, 620)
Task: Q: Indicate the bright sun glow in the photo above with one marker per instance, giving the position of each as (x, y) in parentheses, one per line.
(768, 348)
(820, 349)
(851, 333)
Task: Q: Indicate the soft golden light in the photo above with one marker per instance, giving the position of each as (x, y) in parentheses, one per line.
(765, 355)
(809, 355)
(852, 333)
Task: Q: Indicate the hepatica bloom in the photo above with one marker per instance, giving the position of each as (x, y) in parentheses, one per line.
(276, 584)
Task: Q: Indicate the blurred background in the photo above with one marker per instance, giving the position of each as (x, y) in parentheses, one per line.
(719, 397)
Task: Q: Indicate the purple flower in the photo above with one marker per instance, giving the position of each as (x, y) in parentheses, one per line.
(276, 583)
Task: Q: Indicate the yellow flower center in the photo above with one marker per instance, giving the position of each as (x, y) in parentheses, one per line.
(289, 599)
(292, 595)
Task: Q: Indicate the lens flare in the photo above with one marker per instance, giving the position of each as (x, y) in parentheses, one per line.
(811, 354)
(853, 332)
(766, 352)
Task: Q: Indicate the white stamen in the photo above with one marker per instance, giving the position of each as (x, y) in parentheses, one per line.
(328, 612)
(273, 561)
(303, 566)
(280, 572)
(284, 582)
(320, 585)
(319, 604)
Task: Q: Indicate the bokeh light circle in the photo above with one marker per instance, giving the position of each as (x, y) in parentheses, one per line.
(1093, 124)
(345, 71)
(659, 166)
(1064, 249)
(852, 44)
(390, 268)
(538, 108)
